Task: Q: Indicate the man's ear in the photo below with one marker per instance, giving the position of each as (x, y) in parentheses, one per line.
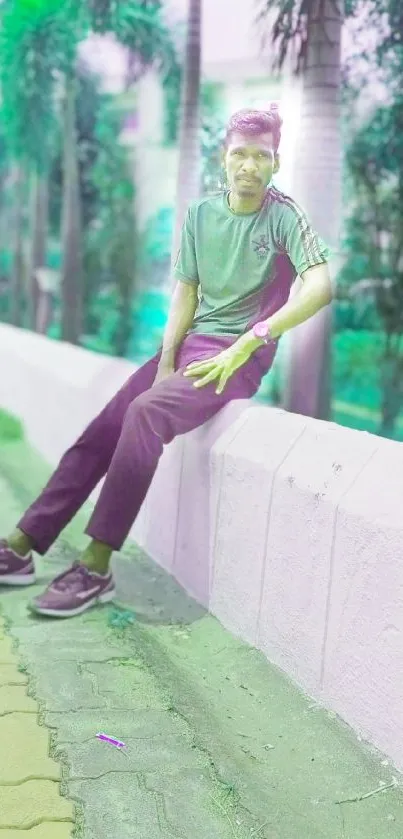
(276, 166)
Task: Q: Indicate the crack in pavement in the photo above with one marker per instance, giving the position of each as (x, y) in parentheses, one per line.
(7, 713)
(36, 823)
(82, 670)
(85, 778)
(82, 710)
(148, 649)
(57, 749)
(160, 805)
(29, 778)
(31, 683)
(132, 737)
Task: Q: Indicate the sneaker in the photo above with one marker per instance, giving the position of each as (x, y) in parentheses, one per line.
(15, 570)
(74, 591)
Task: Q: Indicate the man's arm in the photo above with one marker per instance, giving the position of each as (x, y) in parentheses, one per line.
(315, 293)
(185, 296)
(309, 255)
(180, 319)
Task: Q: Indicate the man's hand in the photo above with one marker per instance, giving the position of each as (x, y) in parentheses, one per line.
(223, 365)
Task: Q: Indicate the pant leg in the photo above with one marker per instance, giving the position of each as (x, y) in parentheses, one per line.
(153, 419)
(83, 465)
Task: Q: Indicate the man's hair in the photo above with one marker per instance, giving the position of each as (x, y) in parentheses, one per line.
(253, 123)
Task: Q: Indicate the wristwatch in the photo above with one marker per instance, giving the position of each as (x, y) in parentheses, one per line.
(262, 330)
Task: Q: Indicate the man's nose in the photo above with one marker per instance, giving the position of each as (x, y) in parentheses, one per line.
(249, 166)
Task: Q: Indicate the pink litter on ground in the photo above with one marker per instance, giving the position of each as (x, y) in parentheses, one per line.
(112, 740)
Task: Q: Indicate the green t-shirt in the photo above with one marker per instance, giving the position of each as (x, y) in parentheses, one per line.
(244, 265)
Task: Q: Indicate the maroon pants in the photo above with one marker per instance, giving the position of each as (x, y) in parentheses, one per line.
(125, 442)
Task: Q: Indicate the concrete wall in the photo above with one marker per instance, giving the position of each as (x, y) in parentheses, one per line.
(290, 530)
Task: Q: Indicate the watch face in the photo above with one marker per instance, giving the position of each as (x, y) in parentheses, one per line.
(261, 330)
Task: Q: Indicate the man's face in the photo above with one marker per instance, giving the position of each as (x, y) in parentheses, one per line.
(250, 163)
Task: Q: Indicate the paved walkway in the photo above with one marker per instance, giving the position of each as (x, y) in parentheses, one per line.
(219, 745)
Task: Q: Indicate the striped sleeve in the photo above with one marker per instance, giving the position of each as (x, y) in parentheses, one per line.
(298, 238)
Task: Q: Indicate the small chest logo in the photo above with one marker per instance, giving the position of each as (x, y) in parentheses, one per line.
(261, 247)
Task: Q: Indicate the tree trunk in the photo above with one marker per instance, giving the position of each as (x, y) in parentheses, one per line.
(18, 269)
(71, 275)
(318, 190)
(391, 386)
(4, 212)
(39, 224)
(188, 183)
(124, 328)
(44, 312)
(391, 406)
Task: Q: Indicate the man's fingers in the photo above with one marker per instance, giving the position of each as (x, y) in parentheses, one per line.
(222, 381)
(198, 368)
(210, 377)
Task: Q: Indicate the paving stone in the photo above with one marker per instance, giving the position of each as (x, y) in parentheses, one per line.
(27, 804)
(77, 727)
(10, 675)
(51, 830)
(26, 745)
(97, 758)
(14, 698)
(6, 652)
(124, 809)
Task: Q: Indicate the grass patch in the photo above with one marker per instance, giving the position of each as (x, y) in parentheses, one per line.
(10, 427)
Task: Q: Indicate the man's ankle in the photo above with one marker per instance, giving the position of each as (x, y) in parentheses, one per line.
(97, 557)
(19, 542)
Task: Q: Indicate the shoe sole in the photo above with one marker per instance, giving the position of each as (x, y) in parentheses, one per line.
(17, 579)
(71, 613)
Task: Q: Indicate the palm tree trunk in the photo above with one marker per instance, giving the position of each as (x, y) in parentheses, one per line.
(4, 211)
(71, 278)
(39, 224)
(188, 183)
(17, 276)
(318, 189)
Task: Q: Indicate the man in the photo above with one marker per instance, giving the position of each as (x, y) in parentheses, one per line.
(240, 253)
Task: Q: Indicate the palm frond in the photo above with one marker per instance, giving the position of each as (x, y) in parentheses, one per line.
(139, 26)
(288, 34)
(37, 42)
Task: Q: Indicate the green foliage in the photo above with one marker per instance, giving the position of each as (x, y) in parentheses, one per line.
(139, 26)
(154, 262)
(113, 179)
(103, 320)
(38, 40)
(212, 136)
(150, 315)
(356, 360)
(374, 232)
(89, 102)
(120, 618)
(112, 239)
(10, 427)
(358, 313)
(172, 101)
